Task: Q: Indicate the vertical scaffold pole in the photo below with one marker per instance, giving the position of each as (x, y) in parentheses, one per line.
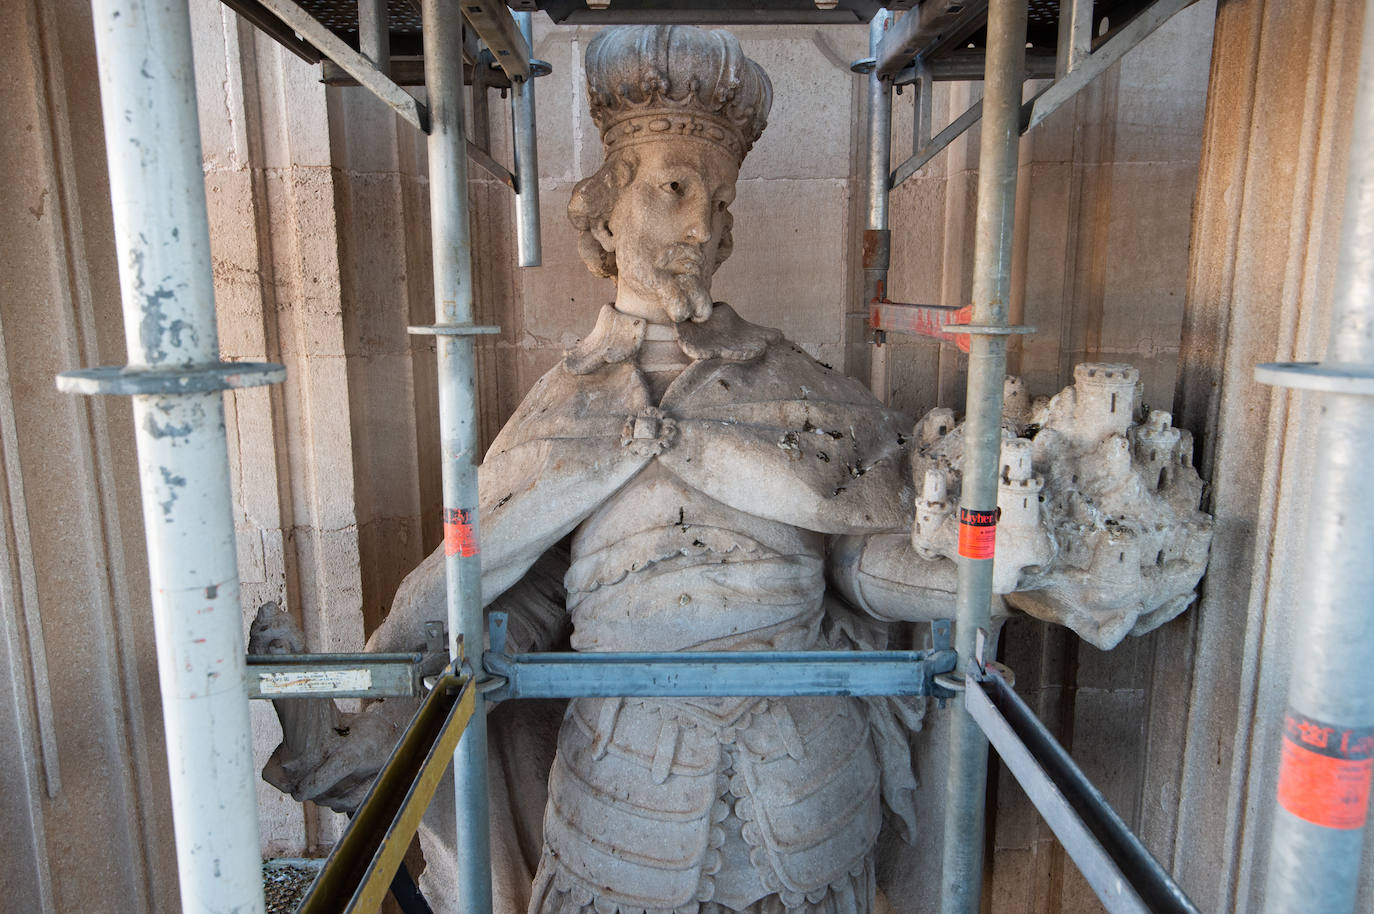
(526, 158)
(962, 873)
(1328, 737)
(453, 306)
(374, 33)
(877, 238)
(1075, 36)
(162, 239)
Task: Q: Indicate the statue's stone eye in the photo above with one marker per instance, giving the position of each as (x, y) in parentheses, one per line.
(720, 206)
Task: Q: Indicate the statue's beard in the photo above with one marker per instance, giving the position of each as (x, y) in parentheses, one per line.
(686, 296)
(678, 281)
(684, 286)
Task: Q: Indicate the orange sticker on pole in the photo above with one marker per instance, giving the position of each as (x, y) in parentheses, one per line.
(1325, 772)
(459, 538)
(978, 533)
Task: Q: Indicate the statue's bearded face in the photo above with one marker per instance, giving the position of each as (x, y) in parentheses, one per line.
(666, 228)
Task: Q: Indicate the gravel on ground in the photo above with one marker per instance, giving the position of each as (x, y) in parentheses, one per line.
(284, 884)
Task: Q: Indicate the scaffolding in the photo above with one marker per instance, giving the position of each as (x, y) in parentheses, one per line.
(176, 380)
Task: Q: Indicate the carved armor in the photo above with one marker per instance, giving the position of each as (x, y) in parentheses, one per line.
(723, 801)
(661, 805)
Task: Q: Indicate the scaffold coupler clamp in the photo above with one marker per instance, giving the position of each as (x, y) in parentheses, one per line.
(979, 669)
(491, 686)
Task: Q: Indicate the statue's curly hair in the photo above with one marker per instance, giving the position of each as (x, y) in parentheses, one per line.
(592, 201)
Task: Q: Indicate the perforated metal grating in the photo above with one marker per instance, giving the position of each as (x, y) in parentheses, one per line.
(1043, 13)
(1042, 21)
(341, 16)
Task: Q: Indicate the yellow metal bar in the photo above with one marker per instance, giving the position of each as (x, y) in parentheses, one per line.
(358, 873)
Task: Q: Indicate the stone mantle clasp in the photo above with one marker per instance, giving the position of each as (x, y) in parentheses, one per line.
(648, 432)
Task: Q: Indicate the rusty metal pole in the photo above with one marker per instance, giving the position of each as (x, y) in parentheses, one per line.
(962, 873)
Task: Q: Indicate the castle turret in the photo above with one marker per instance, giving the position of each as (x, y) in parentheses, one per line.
(1156, 446)
(1022, 542)
(1016, 403)
(1018, 488)
(932, 509)
(1105, 401)
(934, 425)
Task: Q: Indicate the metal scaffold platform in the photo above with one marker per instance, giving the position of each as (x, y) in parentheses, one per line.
(388, 47)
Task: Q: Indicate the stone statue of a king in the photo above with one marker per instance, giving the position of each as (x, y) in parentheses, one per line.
(683, 480)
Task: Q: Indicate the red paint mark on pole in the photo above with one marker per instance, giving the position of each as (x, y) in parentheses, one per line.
(459, 538)
(936, 321)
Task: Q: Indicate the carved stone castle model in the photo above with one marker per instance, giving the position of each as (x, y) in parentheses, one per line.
(1100, 527)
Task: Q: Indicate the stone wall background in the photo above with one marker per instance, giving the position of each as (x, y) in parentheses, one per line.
(84, 805)
(318, 203)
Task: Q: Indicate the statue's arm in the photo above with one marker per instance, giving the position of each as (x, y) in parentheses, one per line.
(1097, 525)
(884, 576)
(329, 756)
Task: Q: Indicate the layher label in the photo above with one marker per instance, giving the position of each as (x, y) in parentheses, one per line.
(1325, 772)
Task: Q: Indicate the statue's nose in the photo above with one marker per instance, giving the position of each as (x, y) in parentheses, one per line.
(699, 225)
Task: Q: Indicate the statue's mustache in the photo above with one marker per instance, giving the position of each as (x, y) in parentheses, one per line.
(682, 258)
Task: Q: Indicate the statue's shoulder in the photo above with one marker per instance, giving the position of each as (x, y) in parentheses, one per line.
(566, 404)
(798, 368)
(766, 365)
(784, 437)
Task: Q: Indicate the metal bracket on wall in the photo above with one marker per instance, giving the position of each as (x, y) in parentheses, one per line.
(494, 23)
(947, 323)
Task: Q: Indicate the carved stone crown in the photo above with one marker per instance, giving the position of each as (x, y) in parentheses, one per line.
(650, 81)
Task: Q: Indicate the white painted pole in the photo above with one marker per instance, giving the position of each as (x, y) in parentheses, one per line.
(162, 239)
